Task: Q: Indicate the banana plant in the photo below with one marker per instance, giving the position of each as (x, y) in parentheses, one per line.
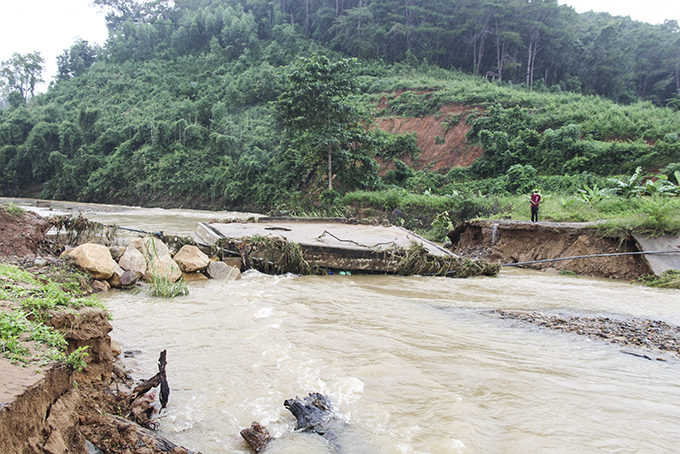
(592, 195)
(633, 187)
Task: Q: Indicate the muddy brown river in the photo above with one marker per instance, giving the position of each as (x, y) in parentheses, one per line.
(416, 365)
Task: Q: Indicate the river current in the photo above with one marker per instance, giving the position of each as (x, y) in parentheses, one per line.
(416, 365)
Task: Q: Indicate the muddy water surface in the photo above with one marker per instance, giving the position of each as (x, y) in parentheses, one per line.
(416, 365)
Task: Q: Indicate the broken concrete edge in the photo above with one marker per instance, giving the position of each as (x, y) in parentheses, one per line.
(276, 255)
(302, 219)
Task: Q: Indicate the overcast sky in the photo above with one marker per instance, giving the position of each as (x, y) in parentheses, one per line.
(50, 26)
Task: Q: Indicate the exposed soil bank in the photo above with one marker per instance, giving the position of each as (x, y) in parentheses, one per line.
(524, 241)
(54, 409)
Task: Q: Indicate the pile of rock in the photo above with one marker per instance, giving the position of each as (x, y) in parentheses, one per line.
(146, 257)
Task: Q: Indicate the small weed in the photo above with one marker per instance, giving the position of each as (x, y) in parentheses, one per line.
(76, 360)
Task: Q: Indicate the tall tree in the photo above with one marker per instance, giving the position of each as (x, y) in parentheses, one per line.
(19, 76)
(75, 60)
(316, 112)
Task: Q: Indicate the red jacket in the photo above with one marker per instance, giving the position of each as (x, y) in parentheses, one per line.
(535, 199)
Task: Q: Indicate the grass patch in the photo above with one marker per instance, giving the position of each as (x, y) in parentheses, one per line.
(669, 279)
(14, 210)
(24, 335)
(432, 214)
(163, 287)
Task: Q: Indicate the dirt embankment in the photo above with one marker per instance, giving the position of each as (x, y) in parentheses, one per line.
(523, 241)
(44, 414)
(21, 233)
(441, 138)
(54, 409)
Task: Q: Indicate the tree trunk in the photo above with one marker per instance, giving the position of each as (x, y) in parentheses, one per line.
(500, 54)
(330, 168)
(531, 59)
(257, 436)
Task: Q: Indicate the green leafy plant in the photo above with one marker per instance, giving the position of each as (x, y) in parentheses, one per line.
(76, 360)
(591, 196)
(631, 187)
(441, 226)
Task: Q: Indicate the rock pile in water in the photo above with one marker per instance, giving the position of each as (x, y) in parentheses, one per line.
(144, 258)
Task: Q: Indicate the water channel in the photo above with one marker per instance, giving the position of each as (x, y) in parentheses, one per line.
(415, 364)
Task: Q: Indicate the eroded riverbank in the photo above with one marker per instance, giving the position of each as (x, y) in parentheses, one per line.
(400, 355)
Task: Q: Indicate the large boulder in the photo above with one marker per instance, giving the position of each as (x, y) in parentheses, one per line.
(133, 260)
(236, 262)
(220, 270)
(95, 259)
(191, 259)
(154, 248)
(194, 277)
(151, 247)
(164, 267)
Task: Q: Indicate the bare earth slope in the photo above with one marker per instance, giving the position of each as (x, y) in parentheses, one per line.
(443, 143)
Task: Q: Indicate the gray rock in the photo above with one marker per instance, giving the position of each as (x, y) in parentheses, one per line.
(220, 270)
(128, 278)
(133, 260)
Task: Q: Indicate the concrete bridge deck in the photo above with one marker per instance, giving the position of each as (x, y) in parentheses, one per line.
(328, 243)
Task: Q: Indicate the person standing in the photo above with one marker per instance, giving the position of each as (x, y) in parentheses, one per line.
(536, 200)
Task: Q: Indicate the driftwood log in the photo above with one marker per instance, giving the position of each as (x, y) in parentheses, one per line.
(313, 413)
(147, 437)
(140, 401)
(257, 436)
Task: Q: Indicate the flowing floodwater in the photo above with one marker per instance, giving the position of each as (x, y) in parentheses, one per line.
(415, 364)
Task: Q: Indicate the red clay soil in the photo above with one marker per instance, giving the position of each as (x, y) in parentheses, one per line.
(21, 234)
(452, 151)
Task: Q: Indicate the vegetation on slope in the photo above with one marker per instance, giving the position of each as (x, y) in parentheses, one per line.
(178, 109)
(28, 300)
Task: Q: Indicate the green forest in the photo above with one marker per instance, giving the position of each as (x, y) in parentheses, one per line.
(271, 106)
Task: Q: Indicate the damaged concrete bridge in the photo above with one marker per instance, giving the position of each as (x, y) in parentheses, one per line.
(330, 245)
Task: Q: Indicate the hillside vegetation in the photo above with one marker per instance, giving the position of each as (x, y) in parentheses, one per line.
(182, 107)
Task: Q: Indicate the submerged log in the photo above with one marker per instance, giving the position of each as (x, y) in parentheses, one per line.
(147, 437)
(313, 414)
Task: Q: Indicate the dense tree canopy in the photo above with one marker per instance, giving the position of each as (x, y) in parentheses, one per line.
(318, 115)
(180, 105)
(519, 41)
